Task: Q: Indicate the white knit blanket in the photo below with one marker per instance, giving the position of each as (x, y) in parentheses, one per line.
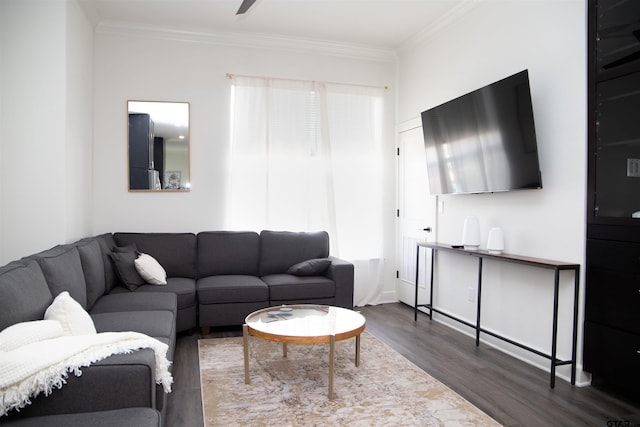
(42, 366)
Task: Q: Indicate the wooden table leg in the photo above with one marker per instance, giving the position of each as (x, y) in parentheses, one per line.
(245, 342)
(284, 349)
(358, 350)
(332, 348)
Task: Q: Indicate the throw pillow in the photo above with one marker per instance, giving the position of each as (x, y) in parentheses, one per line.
(150, 270)
(73, 318)
(123, 249)
(311, 267)
(124, 264)
(24, 333)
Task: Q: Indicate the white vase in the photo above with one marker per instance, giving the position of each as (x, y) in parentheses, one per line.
(495, 242)
(471, 234)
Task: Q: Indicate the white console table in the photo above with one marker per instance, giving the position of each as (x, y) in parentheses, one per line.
(556, 266)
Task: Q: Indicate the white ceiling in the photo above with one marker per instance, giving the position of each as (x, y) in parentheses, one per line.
(385, 24)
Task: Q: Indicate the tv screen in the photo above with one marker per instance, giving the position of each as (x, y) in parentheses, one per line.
(484, 141)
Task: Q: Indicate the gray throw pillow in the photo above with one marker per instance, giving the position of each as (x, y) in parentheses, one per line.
(310, 267)
(124, 265)
(123, 249)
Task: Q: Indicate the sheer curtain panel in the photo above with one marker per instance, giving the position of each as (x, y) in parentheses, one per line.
(307, 156)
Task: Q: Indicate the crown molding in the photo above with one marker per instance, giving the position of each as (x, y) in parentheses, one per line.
(447, 19)
(249, 40)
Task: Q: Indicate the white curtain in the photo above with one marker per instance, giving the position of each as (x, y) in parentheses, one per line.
(307, 156)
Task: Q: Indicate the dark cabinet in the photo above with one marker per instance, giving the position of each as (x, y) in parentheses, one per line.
(141, 152)
(158, 158)
(612, 301)
(613, 277)
(613, 355)
(617, 38)
(617, 155)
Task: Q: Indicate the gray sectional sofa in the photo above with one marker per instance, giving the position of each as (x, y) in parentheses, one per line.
(214, 278)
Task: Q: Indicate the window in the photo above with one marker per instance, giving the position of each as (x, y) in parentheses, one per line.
(307, 156)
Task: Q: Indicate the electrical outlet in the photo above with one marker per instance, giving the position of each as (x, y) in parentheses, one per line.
(633, 167)
(471, 294)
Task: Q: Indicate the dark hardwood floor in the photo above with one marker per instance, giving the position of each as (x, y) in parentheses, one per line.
(512, 392)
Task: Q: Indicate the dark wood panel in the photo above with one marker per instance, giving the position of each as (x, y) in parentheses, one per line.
(613, 299)
(504, 257)
(615, 256)
(604, 344)
(511, 391)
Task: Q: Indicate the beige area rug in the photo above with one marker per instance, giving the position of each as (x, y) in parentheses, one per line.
(385, 390)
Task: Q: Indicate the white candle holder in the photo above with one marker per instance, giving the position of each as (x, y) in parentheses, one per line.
(471, 234)
(495, 242)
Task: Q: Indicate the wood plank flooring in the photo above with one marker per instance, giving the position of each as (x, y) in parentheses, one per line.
(511, 391)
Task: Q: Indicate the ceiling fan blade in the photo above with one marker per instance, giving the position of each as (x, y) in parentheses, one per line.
(246, 4)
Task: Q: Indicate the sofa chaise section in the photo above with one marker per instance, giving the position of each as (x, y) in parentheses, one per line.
(119, 381)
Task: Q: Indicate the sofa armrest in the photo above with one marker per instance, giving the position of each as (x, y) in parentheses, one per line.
(119, 381)
(341, 272)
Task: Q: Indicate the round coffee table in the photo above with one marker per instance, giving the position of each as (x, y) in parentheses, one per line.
(303, 324)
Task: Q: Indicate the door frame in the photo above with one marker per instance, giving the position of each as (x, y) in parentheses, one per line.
(409, 125)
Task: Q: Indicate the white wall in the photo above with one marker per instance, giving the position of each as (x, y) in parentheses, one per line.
(144, 68)
(45, 126)
(133, 64)
(491, 41)
(79, 125)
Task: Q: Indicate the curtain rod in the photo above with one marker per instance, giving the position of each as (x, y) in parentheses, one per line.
(230, 76)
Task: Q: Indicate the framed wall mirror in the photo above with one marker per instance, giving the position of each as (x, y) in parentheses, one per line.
(158, 146)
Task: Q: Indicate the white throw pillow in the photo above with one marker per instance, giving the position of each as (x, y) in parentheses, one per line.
(150, 270)
(24, 333)
(73, 318)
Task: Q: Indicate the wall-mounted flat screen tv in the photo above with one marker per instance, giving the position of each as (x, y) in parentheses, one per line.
(484, 141)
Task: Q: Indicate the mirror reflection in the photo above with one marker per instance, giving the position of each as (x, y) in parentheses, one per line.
(158, 146)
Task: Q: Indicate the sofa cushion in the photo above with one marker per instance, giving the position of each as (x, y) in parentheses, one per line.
(279, 250)
(228, 252)
(73, 318)
(107, 242)
(93, 269)
(136, 301)
(126, 417)
(124, 266)
(228, 314)
(286, 287)
(159, 324)
(310, 267)
(176, 252)
(232, 288)
(23, 282)
(150, 270)
(155, 323)
(62, 269)
(183, 288)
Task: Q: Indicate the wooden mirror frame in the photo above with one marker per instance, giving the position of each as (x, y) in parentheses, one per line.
(158, 146)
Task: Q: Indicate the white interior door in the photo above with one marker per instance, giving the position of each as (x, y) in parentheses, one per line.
(417, 213)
